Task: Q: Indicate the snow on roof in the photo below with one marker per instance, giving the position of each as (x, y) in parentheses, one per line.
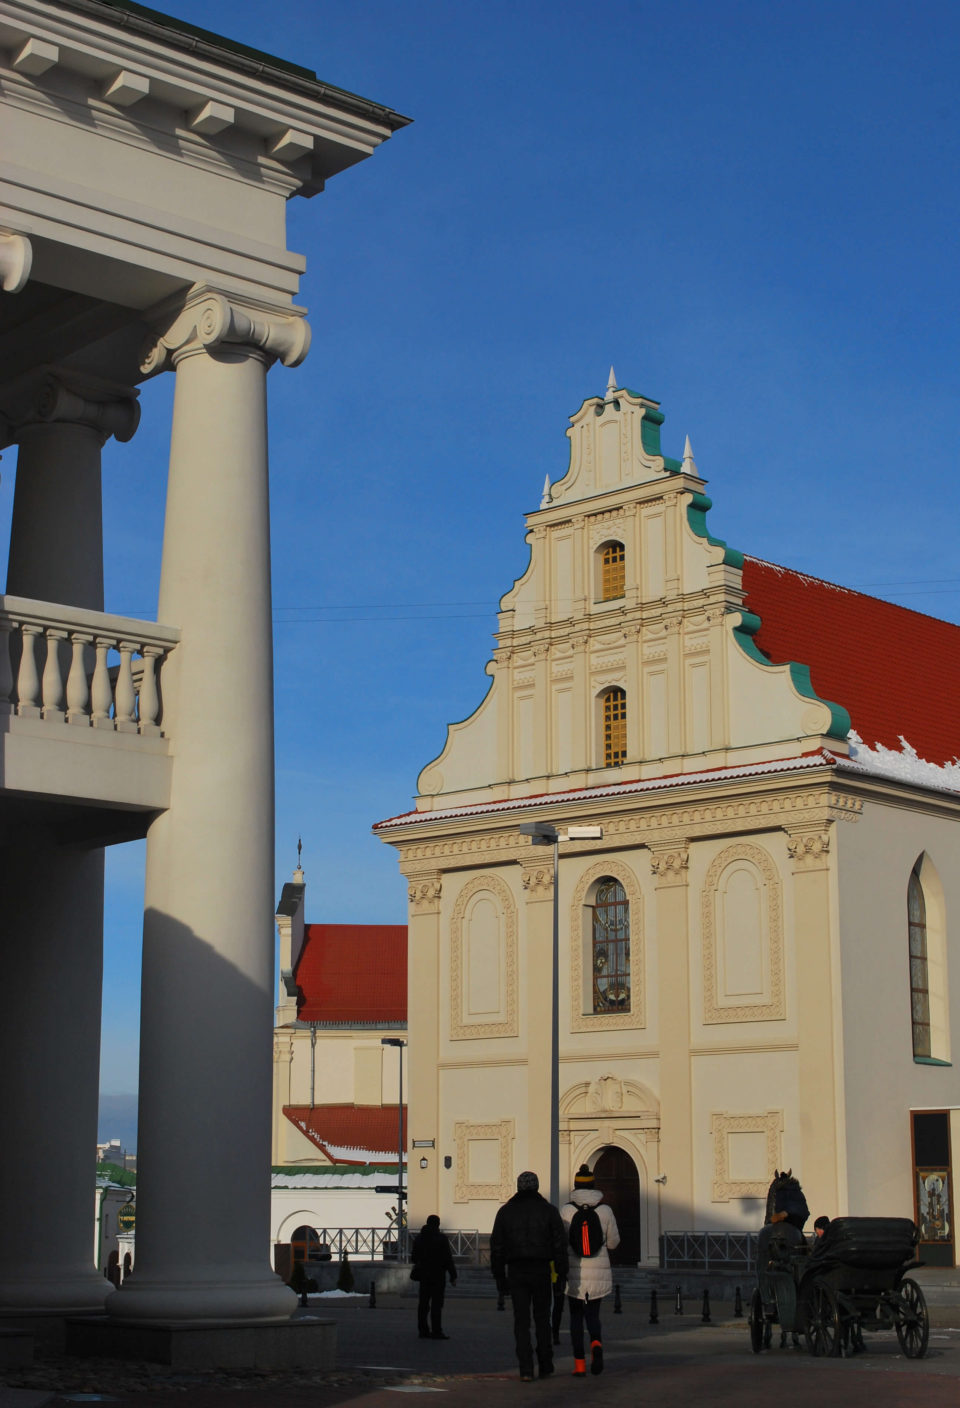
(330, 1178)
(815, 759)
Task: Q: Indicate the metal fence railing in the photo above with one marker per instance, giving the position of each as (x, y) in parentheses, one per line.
(383, 1244)
(709, 1251)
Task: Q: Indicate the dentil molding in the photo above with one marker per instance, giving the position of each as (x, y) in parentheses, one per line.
(209, 319)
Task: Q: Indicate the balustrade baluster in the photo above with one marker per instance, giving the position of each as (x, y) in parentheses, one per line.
(125, 698)
(78, 690)
(28, 680)
(149, 698)
(53, 677)
(102, 694)
(6, 672)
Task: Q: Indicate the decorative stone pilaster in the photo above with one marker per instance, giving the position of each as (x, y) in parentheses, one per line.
(536, 877)
(819, 1033)
(424, 891)
(809, 847)
(670, 863)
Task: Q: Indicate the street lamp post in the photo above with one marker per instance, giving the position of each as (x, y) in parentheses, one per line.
(542, 833)
(399, 1044)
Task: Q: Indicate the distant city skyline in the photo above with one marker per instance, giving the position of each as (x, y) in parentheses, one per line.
(746, 209)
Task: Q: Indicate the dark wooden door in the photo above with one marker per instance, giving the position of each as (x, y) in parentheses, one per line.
(615, 1174)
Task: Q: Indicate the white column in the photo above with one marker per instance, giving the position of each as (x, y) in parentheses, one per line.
(203, 1196)
(52, 955)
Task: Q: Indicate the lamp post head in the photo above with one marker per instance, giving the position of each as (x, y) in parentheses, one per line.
(541, 833)
(392, 1041)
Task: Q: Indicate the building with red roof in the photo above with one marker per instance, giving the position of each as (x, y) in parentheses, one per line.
(340, 1020)
(748, 780)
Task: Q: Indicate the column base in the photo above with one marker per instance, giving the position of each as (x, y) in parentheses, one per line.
(82, 1293)
(305, 1343)
(142, 1298)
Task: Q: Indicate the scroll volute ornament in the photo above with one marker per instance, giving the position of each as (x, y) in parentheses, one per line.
(209, 320)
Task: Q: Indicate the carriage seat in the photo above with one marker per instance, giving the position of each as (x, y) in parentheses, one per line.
(867, 1242)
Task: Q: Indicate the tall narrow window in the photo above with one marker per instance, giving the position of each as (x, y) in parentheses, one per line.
(612, 571)
(614, 727)
(919, 971)
(611, 948)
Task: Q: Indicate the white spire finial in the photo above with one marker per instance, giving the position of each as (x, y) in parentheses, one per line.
(611, 385)
(689, 463)
(545, 497)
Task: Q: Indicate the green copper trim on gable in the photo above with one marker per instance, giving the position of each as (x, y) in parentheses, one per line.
(650, 431)
(674, 466)
(930, 1061)
(697, 510)
(840, 722)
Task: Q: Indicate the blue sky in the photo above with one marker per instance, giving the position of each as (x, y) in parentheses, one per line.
(751, 210)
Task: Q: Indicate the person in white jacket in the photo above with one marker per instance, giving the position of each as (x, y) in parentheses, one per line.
(589, 1278)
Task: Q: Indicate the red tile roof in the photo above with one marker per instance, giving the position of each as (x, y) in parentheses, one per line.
(353, 973)
(895, 671)
(344, 1130)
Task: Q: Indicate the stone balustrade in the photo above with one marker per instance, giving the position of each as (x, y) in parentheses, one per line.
(67, 665)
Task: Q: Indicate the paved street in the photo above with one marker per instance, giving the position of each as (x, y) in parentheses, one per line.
(681, 1361)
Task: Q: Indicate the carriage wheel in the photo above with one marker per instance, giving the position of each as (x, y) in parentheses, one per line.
(913, 1321)
(756, 1321)
(821, 1321)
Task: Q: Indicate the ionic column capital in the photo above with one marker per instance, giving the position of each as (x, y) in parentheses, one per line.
(63, 397)
(16, 258)
(209, 319)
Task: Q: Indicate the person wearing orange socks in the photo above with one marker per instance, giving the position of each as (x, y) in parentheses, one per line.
(591, 1230)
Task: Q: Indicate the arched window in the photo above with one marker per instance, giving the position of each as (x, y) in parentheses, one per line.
(613, 566)
(305, 1244)
(919, 972)
(610, 949)
(614, 728)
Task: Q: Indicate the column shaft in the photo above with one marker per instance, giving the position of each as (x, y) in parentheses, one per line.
(52, 956)
(206, 1014)
(52, 963)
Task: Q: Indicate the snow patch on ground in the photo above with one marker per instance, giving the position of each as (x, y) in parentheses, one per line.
(904, 765)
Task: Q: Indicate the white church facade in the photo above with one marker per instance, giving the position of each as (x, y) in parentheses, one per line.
(758, 962)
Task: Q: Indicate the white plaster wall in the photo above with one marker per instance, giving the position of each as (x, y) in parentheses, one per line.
(882, 1082)
(326, 1207)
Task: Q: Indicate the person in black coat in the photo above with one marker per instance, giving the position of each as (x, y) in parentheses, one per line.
(433, 1261)
(528, 1234)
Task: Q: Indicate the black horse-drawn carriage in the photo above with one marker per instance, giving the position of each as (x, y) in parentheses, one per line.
(852, 1279)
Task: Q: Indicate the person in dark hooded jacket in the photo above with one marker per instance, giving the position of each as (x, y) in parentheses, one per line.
(433, 1259)
(527, 1236)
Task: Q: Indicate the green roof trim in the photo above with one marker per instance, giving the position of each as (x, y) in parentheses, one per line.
(840, 722)
(930, 1061)
(674, 466)
(697, 510)
(332, 1170)
(650, 431)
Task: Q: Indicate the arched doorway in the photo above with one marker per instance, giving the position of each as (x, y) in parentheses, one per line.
(615, 1174)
